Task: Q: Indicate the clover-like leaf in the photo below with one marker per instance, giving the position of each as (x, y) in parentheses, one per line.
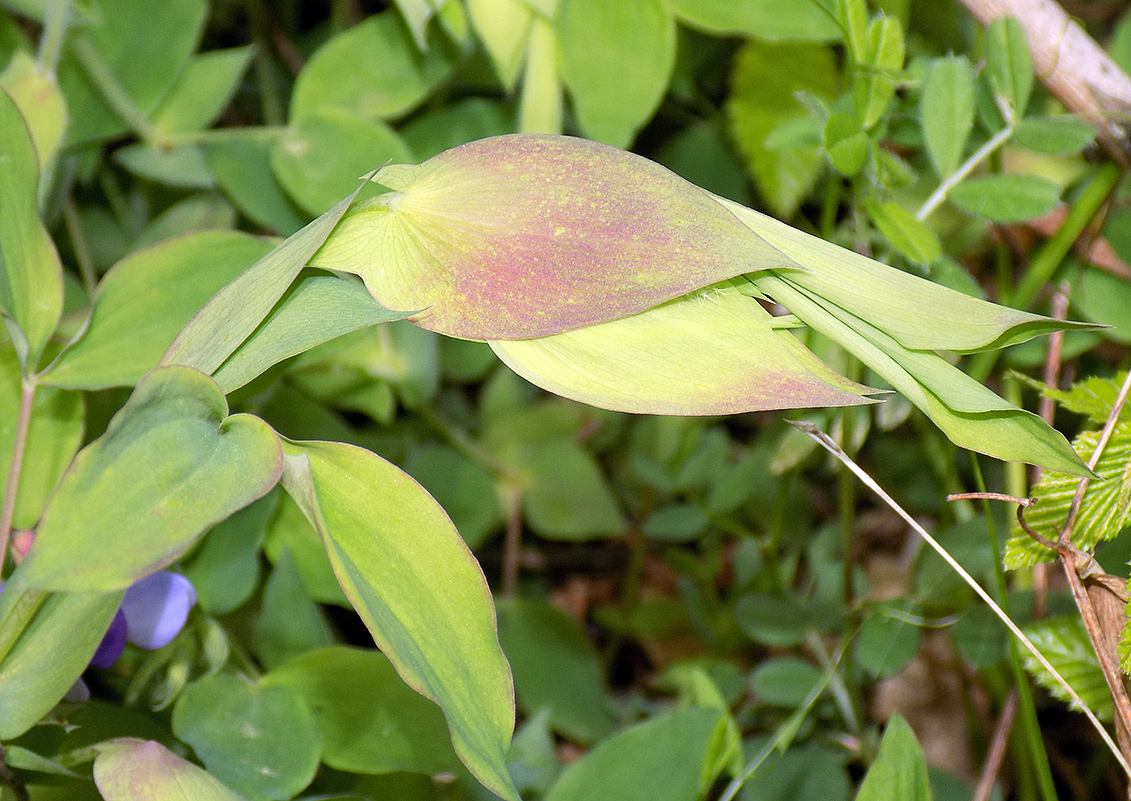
(525, 236)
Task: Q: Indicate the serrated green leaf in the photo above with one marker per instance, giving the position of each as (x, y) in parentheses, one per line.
(900, 769)
(1008, 62)
(631, 39)
(127, 769)
(906, 232)
(1064, 642)
(711, 353)
(946, 106)
(1008, 197)
(1093, 397)
(525, 236)
(176, 461)
(1104, 511)
(419, 590)
(763, 96)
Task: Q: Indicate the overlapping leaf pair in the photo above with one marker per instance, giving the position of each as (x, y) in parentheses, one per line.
(603, 277)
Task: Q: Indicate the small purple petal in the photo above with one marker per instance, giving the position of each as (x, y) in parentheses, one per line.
(79, 693)
(112, 644)
(156, 608)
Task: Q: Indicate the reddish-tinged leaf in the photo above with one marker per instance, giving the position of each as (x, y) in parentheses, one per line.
(715, 352)
(127, 769)
(530, 235)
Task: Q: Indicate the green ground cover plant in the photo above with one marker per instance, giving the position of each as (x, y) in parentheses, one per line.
(469, 399)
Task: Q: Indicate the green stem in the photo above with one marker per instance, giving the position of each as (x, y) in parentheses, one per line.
(79, 245)
(1027, 710)
(55, 21)
(111, 90)
(1044, 266)
(958, 176)
(19, 446)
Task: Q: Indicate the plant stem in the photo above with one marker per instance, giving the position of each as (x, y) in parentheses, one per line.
(1030, 726)
(19, 446)
(830, 445)
(958, 176)
(81, 247)
(55, 21)
(111, 90)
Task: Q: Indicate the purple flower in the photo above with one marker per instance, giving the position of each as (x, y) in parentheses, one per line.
(112, 644)
(156, 609)
(153, 612)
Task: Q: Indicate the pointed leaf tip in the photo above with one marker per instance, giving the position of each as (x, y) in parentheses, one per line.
(527, 235)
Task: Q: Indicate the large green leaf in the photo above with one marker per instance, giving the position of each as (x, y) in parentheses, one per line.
(368, 719)
(555, 668)
(419, 590)
(663, 759)
(716, 352)
(524, 236)
(145, 300)
(31, 277)
(631, 39)
(171, 464)
(50, 653)
(1007, 197)
(129, 769)
(54, 436)
(202, 90)
(142, 46)
(316, 309)
(372, 69)
(257, 739)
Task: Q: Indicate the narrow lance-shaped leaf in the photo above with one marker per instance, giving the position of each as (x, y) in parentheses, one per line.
(419, 590)
(525, 235)
(715, 352)
(218, 329)
(919, 314)
(31, 277)
(171, 465)
(968, 413)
